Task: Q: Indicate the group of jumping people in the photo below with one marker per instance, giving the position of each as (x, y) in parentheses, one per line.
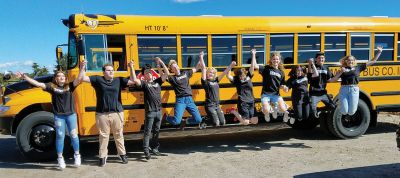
(110, 115)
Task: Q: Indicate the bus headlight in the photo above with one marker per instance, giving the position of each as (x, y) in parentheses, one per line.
(4, 109)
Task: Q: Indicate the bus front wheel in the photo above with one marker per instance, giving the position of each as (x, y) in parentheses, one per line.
(350, 126)
(35, 136)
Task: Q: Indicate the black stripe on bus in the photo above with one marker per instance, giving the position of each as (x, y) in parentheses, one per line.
(385, 93)
(171, 105)
(380, 78)
(388, 108)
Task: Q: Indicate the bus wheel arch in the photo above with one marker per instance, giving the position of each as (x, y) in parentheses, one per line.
(35, 136)
(25, 112)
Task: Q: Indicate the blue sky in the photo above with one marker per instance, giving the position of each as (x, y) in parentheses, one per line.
(30, 30)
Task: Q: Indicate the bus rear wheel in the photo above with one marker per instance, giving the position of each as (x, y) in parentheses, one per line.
(36, 135)
(350, 127)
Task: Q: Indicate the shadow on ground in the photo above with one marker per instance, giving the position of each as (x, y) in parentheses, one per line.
(10, 156)
(382, 171)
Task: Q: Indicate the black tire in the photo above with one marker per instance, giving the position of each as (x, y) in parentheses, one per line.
(323, 122)
(35, 136)
(353, 127)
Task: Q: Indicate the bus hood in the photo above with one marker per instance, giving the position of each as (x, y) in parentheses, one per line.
(24, 85)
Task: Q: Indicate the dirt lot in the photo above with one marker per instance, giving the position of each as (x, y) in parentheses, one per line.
(278, 153)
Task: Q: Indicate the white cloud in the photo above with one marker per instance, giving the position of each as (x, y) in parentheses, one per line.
(23, 66)
(187, 1)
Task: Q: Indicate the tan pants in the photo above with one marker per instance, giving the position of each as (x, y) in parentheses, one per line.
(110, 121)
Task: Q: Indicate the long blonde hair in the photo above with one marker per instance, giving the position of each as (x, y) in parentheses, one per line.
(212, 69)
(343, 62)
(278, 54)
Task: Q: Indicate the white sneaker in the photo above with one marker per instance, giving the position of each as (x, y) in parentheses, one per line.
(292, 120)
(286, 117)
(275, 113)
(61, 162)
(266, 117)
(77, 160)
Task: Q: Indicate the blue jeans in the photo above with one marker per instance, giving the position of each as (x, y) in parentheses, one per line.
(69, 121)
(182, 104)
(266, 98)
(348, 96)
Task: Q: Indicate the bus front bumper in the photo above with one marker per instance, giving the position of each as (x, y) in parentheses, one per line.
(5, 122)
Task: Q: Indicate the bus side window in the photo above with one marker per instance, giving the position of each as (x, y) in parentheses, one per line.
(253, 42)
(398, 47)
(191, 47)
(308, 46)
(224, 49)
(102, 49)
(117, 52)
(151, 46)
(335, 46)
(284, 44)
(386, 41)
(94, 51)
(360, 45)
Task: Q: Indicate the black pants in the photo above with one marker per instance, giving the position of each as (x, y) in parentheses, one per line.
(301, 105)
(246, 110)
(315, 99)
(152, 128)
(214, 112)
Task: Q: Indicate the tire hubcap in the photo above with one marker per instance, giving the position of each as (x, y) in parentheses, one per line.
(42, 137)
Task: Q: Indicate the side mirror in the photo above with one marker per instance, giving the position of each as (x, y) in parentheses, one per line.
(59, 53)
(6, 76)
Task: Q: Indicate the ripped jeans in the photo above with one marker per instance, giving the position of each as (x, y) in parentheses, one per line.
(69, 121)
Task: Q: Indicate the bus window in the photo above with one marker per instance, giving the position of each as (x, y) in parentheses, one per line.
(223, 50)
(102, 49)
(360, 45)
(94, 52)
(250, 42)
(156, 46)
(398, 47)
(335, 46)
(116, 51)
(284, 44)
(72, 53)
(308, 45)
(386, 41)
(191, 47)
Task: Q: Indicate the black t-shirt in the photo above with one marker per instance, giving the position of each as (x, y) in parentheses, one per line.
(62, 100)
(244, 88)
(351, 76)
(212, 90)
(152, 94)
(272, 79)
(108, 93)
(180, 83)
(298, 85)
(318, 84)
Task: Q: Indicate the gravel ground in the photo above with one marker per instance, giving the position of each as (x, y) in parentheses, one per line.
(278, 153)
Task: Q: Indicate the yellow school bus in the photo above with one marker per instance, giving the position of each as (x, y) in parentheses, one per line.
(117, 39)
